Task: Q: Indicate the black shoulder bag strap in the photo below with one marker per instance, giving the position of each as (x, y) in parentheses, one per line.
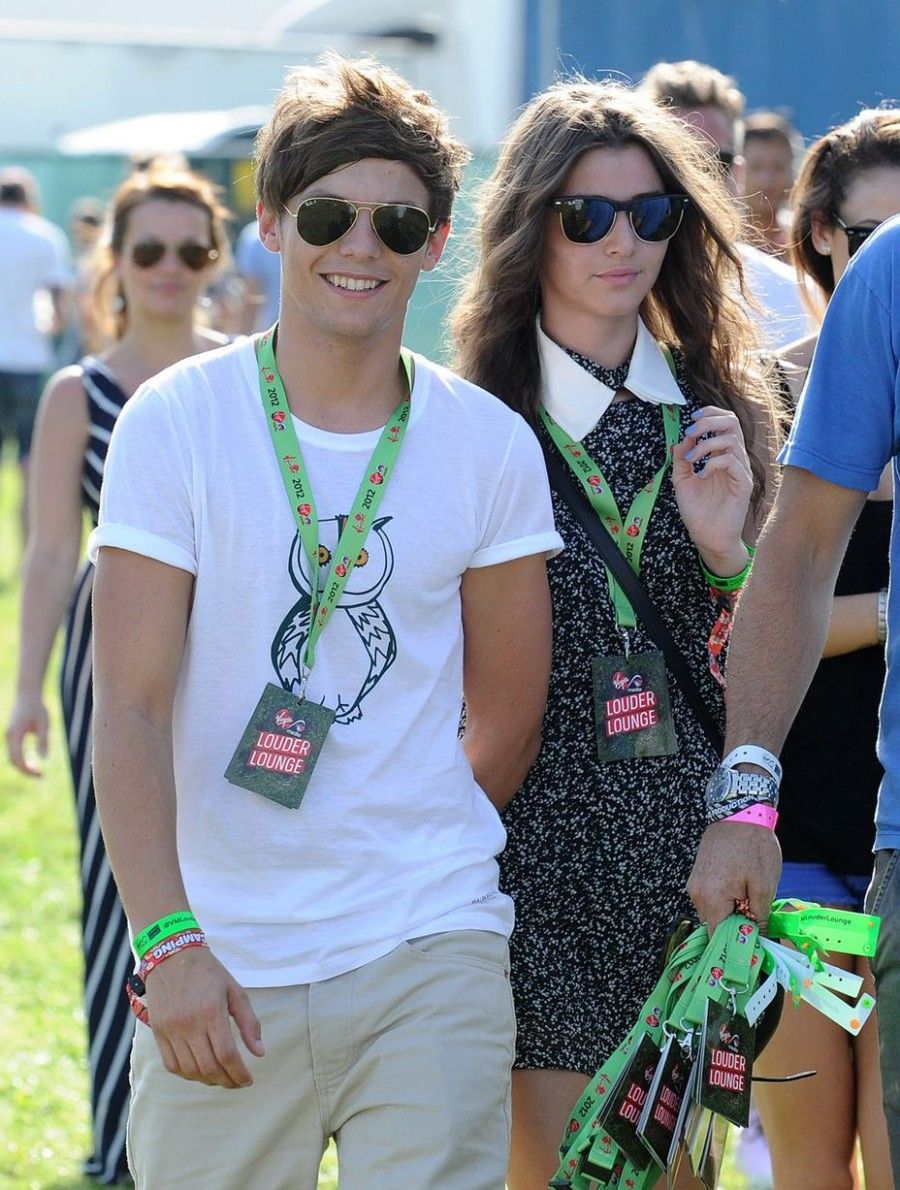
(564, 484)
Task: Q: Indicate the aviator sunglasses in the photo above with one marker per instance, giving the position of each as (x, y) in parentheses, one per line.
(147, 253)
(402, 229)
(587, 218)
(856, 236)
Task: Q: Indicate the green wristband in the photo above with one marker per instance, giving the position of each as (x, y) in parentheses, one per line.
(166, 927)
(730, 585)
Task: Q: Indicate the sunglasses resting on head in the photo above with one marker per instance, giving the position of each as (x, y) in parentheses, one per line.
(589, 218)
(401, 228)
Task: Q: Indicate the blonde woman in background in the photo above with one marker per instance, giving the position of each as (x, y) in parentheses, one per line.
(164, 236)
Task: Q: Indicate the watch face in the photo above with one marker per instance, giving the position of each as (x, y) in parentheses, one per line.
(718, 786)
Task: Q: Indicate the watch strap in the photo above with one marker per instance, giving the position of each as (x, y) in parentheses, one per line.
(754, 754)
(743, 790)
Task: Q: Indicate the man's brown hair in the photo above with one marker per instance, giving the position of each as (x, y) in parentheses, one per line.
(773, 128)
(338, 111)
(688, 85)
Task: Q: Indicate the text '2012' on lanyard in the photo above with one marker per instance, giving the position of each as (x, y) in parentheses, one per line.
(325, 597)
(630, 532)
(283, 739)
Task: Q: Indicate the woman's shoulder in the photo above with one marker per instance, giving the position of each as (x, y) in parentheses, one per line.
(63, 412)
(64, 393)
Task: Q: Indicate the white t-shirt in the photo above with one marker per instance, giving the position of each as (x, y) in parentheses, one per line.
(774, 284)
(34, 257)
(394, 838)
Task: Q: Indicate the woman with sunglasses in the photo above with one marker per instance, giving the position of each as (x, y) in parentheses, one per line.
(164, 237)
(849, 183)
(604, 308)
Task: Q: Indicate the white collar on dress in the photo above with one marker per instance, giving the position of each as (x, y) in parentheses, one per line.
(576, 400)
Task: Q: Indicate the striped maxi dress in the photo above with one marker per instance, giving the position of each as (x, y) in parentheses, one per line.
(107, 952)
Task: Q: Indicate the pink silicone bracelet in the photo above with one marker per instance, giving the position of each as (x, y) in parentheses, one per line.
(759, 815)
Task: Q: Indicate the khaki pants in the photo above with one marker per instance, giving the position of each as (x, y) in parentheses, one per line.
(405, 1062)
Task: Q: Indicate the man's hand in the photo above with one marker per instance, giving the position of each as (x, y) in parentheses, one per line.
(190, 998)
(735, 860)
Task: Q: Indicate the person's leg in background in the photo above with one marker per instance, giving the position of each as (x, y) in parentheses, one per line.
(542, 1101)
(810, 1125)
(25, 388)
(870, 1123)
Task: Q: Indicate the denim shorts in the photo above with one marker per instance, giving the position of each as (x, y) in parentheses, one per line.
(816, 882)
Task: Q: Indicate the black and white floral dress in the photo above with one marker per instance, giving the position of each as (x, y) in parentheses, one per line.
(598, 855)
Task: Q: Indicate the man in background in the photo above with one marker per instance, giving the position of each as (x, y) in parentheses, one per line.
(712, 105)
(770, 147)
(260, 271)
(34, 265)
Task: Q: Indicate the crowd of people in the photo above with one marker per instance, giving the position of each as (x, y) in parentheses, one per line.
(314, 550)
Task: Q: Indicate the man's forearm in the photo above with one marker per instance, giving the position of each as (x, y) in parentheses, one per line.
(781, 625)
(135, 790)
(501, 757)
(780, 629)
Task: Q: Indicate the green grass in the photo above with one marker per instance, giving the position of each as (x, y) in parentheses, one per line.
(43, 1088)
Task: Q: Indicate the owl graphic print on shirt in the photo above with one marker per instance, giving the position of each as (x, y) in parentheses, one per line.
(369, 646)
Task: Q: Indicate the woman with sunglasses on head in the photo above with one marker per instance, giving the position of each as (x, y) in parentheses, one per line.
(849, 183)
(165, 233)
(604, 309)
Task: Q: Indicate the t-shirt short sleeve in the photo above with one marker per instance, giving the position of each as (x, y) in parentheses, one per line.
(845, 428)
(519, 521)
(145, 502)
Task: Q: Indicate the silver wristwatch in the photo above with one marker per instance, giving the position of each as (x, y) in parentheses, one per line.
(728, 792)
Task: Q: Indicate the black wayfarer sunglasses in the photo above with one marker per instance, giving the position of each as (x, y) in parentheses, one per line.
(588, 218)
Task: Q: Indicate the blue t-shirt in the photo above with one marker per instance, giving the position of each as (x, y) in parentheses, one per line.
(257, 263)
(847, 429)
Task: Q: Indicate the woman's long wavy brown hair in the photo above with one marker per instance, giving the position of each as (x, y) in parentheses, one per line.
(698, 302)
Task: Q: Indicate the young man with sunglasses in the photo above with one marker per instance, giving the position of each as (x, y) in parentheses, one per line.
(843, 436)
(312, 545)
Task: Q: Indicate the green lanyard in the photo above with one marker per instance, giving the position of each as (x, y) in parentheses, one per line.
(325, 597)
(629, 537)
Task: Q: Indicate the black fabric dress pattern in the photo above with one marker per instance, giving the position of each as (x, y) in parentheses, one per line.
(107, 952)
(598, 855)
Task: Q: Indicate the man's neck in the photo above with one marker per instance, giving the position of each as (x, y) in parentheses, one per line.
(346, 387)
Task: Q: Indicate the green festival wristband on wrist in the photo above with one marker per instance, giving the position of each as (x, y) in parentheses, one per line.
(166, 927)
(730, 585)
